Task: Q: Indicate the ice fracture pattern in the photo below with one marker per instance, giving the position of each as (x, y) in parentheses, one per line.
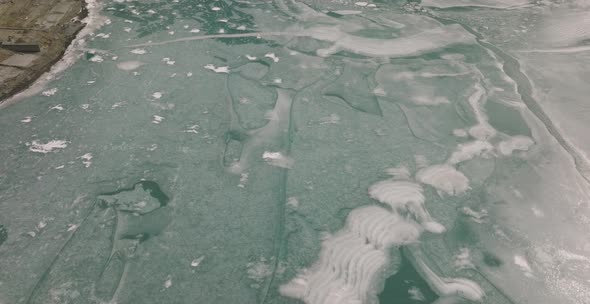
(304, 151)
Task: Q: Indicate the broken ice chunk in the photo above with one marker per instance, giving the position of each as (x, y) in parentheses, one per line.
(86, 159)
(277, 159)
(96, 58)
(39, 147)
(196, 262)
(222, 69)
(272, 56)
(157, 119)
(49, 92)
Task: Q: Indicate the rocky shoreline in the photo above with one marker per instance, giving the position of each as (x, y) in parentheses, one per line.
(51, 24)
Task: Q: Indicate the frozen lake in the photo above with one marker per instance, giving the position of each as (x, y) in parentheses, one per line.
(304, 151)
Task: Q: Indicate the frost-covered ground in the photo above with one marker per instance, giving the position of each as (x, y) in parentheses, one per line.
(304, 151)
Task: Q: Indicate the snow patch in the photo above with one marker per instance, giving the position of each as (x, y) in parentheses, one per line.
(129, 65)
(138, 51)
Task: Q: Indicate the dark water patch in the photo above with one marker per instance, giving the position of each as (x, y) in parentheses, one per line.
(506, 119)
(491, 259)
(406, 287)
(3, 234)
(353, 89)
(149, 186)
(463, 233)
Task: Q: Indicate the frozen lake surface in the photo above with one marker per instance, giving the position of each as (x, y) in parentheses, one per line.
(304, 151)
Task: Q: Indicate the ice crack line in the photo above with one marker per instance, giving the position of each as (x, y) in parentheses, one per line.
(525, 90)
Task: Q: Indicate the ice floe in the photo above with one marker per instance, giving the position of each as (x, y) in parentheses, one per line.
(39, 147)
(221, 69)
(49, 92)
(278, 159)
(444, 178)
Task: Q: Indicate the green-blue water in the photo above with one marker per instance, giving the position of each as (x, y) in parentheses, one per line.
(304, 152)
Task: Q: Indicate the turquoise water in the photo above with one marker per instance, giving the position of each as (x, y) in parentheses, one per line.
(304, 152)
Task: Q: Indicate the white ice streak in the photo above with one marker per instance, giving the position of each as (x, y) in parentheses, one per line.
(417, 44)
(58, 107)
(444, 178)
(470, 150)
(347, 12)
(444, 287)
(196, 262)
(221, 69)
(518, 142)
(483, 130)
(37, 146)
(267, 134)
(430, 101)
(404, 196)
(355, 261)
